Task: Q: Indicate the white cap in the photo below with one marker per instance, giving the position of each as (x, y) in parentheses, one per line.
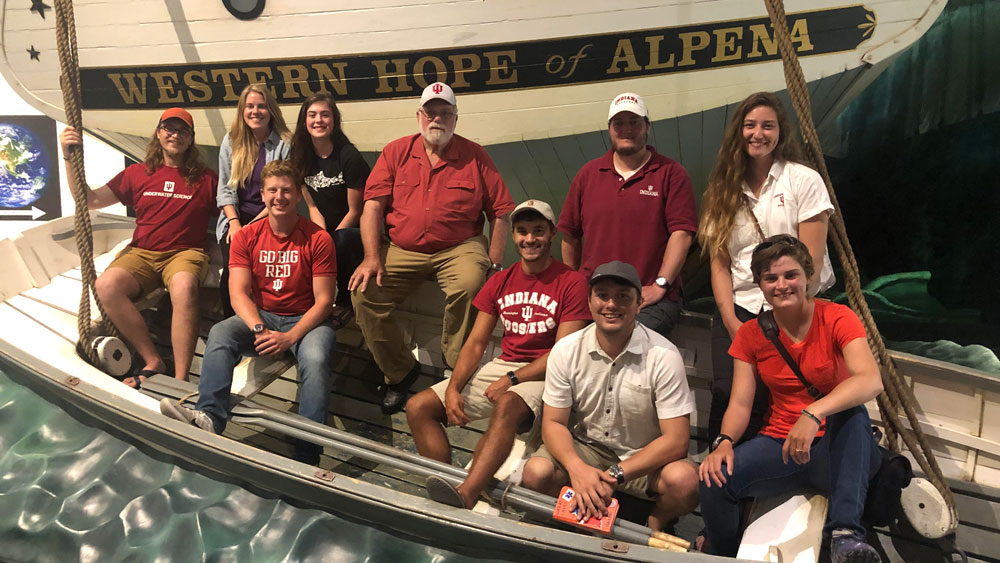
(438, 91)
(627, 102)
(536, 205)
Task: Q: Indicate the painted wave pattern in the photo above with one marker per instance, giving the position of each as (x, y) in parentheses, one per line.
(69, 492)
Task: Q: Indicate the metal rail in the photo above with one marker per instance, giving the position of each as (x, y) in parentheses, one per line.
(537, 504)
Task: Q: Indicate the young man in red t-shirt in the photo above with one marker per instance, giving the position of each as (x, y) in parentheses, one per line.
(539, 300)
(282, 281)
(173, 195)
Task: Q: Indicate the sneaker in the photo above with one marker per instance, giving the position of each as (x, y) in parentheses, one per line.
(847, 547)
(179, 412)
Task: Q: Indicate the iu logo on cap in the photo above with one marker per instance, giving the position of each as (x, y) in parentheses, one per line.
(438, 88)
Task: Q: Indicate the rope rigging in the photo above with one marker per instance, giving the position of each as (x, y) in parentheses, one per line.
(896, 395)
(69, 80)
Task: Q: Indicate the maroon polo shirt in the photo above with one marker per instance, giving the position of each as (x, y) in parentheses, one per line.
(432, 208)
(629, 220)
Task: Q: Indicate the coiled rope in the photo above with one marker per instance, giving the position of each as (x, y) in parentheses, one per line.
(896, 395)
(69, 80)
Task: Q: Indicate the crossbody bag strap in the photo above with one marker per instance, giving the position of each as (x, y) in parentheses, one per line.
(769, 326)
(753, 216)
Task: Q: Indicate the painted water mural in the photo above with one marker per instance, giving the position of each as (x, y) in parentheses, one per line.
(69, 492)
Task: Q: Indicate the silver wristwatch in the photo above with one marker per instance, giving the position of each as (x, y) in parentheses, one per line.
(662, 282)
(618, 473)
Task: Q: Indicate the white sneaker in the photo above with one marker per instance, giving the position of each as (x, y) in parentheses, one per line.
(179, 412)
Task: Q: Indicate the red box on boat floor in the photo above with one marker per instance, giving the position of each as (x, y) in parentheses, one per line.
(563, 513)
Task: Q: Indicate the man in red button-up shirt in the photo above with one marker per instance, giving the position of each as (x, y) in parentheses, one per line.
(432, 192)
(636, 206)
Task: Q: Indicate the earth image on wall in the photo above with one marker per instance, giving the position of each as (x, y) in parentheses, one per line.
(24, 166)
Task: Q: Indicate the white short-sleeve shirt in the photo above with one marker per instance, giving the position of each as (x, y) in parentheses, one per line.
(792, 193)
(618, 402)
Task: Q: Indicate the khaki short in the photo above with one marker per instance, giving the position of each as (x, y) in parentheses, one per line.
(596, 455)
(154, 269)
(478, 407)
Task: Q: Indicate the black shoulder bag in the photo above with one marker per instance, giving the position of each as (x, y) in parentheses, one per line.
(882, 503)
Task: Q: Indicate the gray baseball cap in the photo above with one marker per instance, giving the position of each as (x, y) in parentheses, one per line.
(618, 270)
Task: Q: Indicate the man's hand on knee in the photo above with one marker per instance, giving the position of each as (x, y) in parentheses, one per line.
(272, 342)
(497, 389)
(454, 405)
(368, 269)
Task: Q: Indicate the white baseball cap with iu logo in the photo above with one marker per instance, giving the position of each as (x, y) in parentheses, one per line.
(627, 102)
(438, 91)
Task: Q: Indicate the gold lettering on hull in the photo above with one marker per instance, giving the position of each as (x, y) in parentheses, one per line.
(555, 62)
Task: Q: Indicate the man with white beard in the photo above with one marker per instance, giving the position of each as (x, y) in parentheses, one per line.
(433, 191)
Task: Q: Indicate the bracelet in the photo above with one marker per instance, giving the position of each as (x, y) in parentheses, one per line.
(813, 417)
(233, 219)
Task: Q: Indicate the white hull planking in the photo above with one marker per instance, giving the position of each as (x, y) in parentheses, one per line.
(150, 32)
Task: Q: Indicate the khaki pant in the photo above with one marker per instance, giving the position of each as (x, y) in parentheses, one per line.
(478, 407)
(154, 269)
(460, 272)
(596, 455)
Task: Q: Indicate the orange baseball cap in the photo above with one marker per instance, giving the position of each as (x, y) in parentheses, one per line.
(179, 113)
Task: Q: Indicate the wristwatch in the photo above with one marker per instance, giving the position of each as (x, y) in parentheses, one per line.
(496, 267)
(258, 328)
(618, 473)
(662, 282)
(718, 442)
(512, 377)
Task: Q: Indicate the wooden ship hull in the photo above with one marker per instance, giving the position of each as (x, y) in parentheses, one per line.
(534, 81)
(523, 71)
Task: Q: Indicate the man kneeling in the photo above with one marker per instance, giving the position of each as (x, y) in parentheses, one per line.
(540, 300)
(628, 389)
(282, 280)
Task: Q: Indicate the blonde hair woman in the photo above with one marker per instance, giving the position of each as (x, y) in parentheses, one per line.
(257, 136)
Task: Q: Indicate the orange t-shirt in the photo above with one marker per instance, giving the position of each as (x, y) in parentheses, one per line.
(820, 357)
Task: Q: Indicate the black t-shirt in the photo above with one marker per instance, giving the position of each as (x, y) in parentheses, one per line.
(331, 177)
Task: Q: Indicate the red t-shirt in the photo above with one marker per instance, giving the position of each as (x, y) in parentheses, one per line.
(169, 214)
(820, 356)
(283, 267)
(629, 220)
(531, 307)
(432, 208)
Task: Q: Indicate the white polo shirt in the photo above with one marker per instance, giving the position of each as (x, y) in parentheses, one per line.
(792, 193)
(618, 402)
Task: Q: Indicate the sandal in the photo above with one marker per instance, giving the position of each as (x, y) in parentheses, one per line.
(341, 316)
(135, 379)
(444, 492)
